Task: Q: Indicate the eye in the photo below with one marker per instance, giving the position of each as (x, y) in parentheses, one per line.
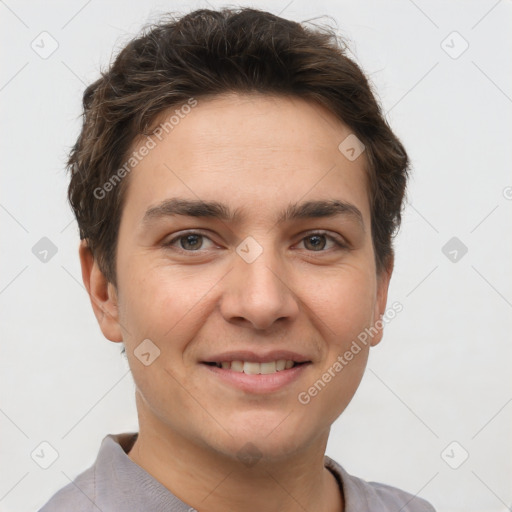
(189, 242)
(193, 241)
(318, 241)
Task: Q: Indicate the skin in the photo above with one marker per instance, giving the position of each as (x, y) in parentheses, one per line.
(256, 153)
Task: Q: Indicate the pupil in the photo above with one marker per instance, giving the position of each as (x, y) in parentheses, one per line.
(318, 242)
(191, 240)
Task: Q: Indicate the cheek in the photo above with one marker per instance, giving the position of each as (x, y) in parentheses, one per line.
(344, 308)
(164, 304)
(344, 303)
(151, 297)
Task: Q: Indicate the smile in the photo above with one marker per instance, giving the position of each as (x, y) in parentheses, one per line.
(255, 368)
(257, 377)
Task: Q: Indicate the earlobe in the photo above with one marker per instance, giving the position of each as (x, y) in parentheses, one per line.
(103, 295)
(383, 280)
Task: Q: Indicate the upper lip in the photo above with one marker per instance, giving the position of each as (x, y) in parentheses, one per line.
(253, 357)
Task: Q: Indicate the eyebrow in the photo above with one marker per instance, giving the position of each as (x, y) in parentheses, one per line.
(216, 210)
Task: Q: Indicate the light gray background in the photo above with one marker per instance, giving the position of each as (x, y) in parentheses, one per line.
(442, 372)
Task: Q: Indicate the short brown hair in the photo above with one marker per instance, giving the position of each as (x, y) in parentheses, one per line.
(206, 53)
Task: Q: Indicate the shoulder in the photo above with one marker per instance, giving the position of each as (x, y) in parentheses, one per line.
(105, 482)
(77, 495)
(375, 497)
(395, 499)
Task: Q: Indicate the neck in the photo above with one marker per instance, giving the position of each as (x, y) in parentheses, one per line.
(207, 480)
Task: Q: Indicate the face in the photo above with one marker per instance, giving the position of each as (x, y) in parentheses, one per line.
(277, 266)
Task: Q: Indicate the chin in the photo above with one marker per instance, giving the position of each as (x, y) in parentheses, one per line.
(269, 436)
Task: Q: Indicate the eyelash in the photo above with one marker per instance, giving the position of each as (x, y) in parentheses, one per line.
(340, 245)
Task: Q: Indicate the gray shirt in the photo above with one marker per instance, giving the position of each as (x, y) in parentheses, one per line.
(117, 484)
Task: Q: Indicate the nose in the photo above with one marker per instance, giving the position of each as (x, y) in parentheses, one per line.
(258, 293)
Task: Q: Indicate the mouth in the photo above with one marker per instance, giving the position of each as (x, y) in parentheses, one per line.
(257, 377)
(256, 368)
(259, 372)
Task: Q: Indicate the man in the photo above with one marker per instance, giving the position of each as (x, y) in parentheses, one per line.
(236, 189)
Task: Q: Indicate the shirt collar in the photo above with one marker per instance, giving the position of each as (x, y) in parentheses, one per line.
(121, 484)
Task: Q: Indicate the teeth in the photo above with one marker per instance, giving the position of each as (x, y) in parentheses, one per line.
(236, 366)
(251, 368)
(266, 368)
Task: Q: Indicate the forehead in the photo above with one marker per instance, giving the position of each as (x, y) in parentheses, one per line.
(244, 149)
(270, 125)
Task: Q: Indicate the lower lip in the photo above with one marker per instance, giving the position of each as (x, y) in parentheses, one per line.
(258, 383)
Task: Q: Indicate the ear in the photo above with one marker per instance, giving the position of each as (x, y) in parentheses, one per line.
(103, 294)
(383, 279)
